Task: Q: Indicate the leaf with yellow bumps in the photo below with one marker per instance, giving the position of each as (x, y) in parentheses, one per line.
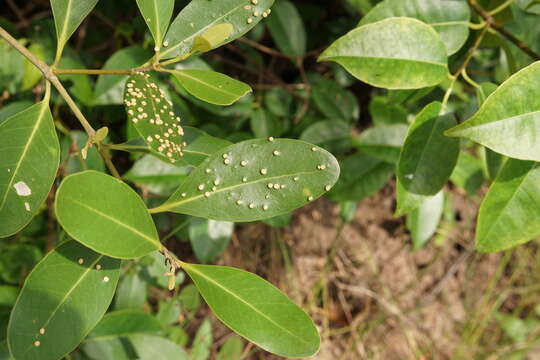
(254, 180)
(152, 116)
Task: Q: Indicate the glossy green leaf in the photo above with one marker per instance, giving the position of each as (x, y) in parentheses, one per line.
(450, 18)
(30, 155)
(11, 67)
(333, 135)
(110, 88)
(255, 179)
(256, 310)
(106, 215)
(371, 53)
(428, 157)
(211, 86)
(493, 162)
(153, 117)
(131, 293)
(201, 15)
(63, 298)
(334, 101)
(265, 124)
(361, 176)
(287, 28)
(509, 120)
(157, 14)
(68, 15)
(209, 238)
(156, 176)
(382, 142)
(423, 221)
(510, 212)
(80, 86)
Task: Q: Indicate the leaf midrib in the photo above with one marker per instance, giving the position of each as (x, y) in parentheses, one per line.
(178, 203)
(116, 221)
(83, 275)
(65, 24)
(385, 58)
(185, 74)
(41, 116)
(227, 290)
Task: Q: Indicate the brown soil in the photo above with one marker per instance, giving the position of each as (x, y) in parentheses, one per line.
(379, 299)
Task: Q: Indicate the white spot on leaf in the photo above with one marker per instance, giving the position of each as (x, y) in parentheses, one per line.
(22, 189)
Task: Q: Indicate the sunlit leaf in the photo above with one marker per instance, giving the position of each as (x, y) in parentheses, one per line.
(46, 306)
(396, 53)
(30, 155)
(510, 212)
(255, 179)
(105, 214)
(157, 15)
(509, 120)
(256, 310)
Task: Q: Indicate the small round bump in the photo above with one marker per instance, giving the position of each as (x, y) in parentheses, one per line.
(265, 207)
(327, 187)
(243, 163)
(264, 171)
(200, 187)
(252, 206)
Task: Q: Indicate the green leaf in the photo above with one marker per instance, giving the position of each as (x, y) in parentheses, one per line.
(109, 339)
(123, 323)
(169, 311)
(75, 142)
(152, 116)
(131, 293)
(68, 15)
(382, 142)
(428, 157)
(78, 85)
(468, 173)
(264, 124)
(156, 176)
(150, 347)
(510, 212)
(212, 37)
(287, 28)
(91, 207)
(63, 298)
(13, 108)
(110, 88)
(157, 14)
(209, 238)
(334, 101)
(333, 135)
(384, 112)
(211, 86)
(407, 201)
(189, 298)
(255, 179)
(509, 120)
(423, 221)
(450, 18)
(31, 73)
(30, 155)
(202, 342)
(362, 176)
(231, 349)
(370, 53)
(256, 310)
(201, 15)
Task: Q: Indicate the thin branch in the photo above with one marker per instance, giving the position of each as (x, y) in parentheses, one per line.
(48, 73)
(501, 30)
(263, 48)
(102, 72)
